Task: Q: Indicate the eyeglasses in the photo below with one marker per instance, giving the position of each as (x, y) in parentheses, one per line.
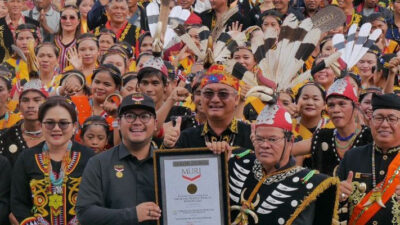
(131, 117)
(72, 18)
(269, 140)
(50, 125)
(223, 95)
(391, 119)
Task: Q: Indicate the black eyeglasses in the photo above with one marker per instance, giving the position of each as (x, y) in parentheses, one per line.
(223, 95)
(391, 119)
(50, 125)
(131, 117)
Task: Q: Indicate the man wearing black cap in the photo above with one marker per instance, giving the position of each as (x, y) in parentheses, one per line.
(118, 185)
(370, 174)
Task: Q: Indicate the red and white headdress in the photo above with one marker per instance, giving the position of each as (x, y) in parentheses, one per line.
(275, 116)
(343, 87)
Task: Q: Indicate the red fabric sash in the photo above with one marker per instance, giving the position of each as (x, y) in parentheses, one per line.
(361, 216)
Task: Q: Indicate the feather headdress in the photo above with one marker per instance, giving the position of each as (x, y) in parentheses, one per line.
(162, 20)
(282, 60)
(356, 45)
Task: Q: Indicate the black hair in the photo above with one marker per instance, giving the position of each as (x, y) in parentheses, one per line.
(105, 31)
(271, 12)
(61, 101)
(299, 92)
(87, 36)
(324, 41)
(95, 120)
(147, 72)
(124, 47)
(128, 77)
(86, 89)
(78, 14)
(142, 37)
(46, 43)
(79, 2)
(288, 92)
(111, 52)
(27, 26)
(112, 70)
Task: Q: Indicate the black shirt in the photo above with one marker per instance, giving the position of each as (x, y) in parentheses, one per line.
(31, 185)
(208, 17)
(107, 196)
(5, 179)
(12, 143)
(359, 160)
(237, 134)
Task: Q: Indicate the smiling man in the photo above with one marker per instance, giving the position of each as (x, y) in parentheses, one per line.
(219, 99)
(268, 188)
(370, 188)
(118, 12)
(118, 185)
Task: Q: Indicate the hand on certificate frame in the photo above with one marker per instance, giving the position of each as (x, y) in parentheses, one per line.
(219, 147)
(148, 211)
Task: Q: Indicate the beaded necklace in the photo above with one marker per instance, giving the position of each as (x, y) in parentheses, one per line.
(55, 189)
(350, 139)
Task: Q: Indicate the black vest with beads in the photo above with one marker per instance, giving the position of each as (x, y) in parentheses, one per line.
(284, 195)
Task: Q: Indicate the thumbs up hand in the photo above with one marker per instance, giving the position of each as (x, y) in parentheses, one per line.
(172, 132)
(346, 187)
(398, 191)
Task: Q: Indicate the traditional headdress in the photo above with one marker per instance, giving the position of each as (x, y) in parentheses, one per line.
(342, 87)
(275, 115)
(217, 74)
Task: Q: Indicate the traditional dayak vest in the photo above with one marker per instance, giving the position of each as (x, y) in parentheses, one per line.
(281, 197)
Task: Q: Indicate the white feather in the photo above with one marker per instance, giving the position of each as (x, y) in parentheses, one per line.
(292, 22)
(338, 42)
(350, 42)
(362, 38)
(294, 65)
(372, 37)
(152, 12)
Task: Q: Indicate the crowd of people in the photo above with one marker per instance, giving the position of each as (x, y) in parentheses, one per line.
(307, 116)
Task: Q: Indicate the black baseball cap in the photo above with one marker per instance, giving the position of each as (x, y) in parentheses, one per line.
(137, 101)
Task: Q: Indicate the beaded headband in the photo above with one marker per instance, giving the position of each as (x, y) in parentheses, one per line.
(80, 40)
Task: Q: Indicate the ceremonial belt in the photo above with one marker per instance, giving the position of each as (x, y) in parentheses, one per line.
(361, 215)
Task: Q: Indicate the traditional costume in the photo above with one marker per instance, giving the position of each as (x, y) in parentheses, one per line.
(324, 144)
(290, 195)
(236, 134)
(45, 191)
(12, 142)
(375, 177)
(128, 32)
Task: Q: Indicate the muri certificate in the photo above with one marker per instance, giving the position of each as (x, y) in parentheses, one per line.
(191, 190)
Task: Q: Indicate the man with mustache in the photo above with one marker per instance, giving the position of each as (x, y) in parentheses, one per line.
(118, 185)
(370, 174)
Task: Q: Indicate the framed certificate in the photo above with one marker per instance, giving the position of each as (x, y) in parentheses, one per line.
(191, 187)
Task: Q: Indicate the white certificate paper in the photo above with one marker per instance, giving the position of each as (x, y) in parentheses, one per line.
(191, 190)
